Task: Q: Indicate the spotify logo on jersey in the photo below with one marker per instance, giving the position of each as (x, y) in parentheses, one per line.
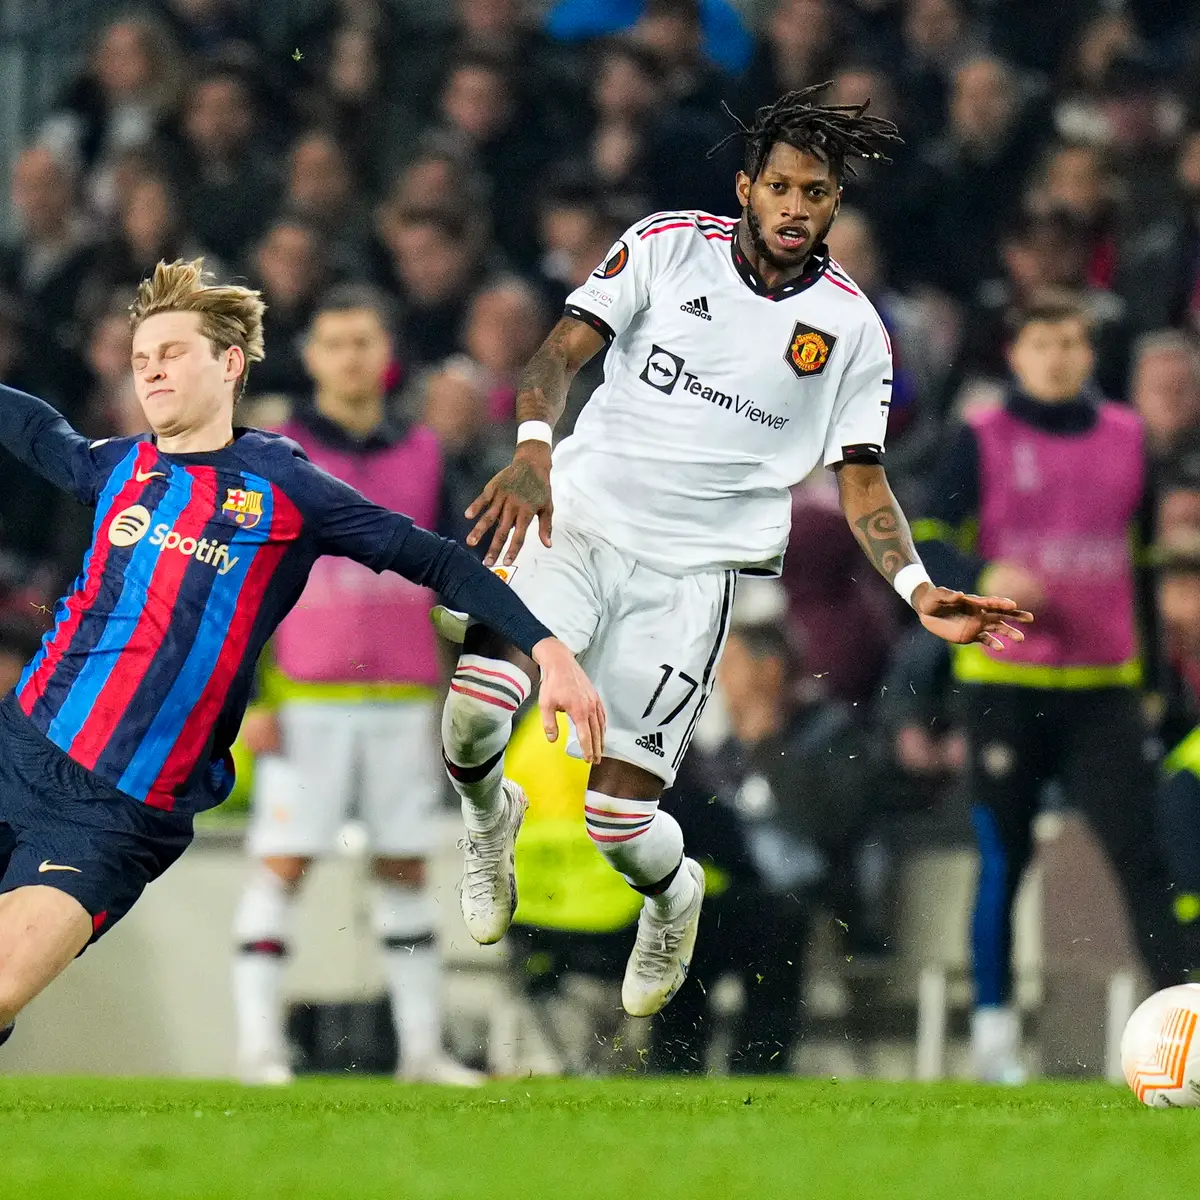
(129, 525)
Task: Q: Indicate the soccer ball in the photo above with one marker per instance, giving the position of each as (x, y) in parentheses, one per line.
(1160, 1048)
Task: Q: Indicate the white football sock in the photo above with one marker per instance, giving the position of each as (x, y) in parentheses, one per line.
(645, 844)
(262, 929)
(476, 726)
(404, 920)
(678, 894)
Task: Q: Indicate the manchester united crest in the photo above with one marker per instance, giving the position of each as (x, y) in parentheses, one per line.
(244, 506)
(809, 350)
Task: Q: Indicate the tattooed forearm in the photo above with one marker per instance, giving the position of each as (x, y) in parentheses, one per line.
(876, 519)
(884, 536)
(542, 394)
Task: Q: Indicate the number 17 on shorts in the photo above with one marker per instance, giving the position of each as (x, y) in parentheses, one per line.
(654, 664)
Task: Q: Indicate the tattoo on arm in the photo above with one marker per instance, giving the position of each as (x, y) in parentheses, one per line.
(542, 394)
(885, 538)
(876, 519)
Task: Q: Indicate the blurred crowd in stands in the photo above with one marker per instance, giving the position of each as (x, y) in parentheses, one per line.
(474, 161)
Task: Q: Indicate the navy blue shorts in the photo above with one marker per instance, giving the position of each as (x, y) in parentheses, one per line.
(63, 826)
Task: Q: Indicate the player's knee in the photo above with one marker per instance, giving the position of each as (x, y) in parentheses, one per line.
(288, 869)
(9, 1008)
(263, 919)
(615, 777)
(14, 995)
(408, 873)
(465, 723)
(477, 717)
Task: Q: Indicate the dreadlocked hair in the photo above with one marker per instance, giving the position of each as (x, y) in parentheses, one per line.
(835, 133)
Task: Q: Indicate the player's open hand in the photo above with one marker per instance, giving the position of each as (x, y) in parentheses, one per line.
(511, 500)
(961, 618)
(565, 688)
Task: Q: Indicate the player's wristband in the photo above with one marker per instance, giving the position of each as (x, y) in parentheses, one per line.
(908, 579)
(535, 431)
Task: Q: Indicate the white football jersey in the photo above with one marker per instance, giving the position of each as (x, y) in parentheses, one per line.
(719, 394)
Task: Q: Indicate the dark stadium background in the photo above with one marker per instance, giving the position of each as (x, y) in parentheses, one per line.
(476, 159)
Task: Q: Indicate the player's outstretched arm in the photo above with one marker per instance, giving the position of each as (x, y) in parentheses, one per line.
(465, 584)
(520, 492)
(348, 524)
(882, 531)
(39, 435)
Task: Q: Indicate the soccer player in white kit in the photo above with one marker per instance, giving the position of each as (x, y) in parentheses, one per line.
(740, 355)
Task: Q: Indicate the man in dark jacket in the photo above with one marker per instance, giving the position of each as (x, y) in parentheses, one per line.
(796, 779)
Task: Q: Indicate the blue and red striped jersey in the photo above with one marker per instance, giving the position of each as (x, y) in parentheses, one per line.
(194, 560)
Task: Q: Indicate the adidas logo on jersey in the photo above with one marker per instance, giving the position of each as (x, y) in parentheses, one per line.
(697, 308)
(652, 742)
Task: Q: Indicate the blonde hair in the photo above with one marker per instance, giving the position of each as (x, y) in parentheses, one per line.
(229, 315)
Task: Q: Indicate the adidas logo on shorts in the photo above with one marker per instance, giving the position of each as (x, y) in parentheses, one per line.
(652, 742)
(697, 308)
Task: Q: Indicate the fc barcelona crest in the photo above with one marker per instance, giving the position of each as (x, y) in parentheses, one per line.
(245, 507)
(809, 350)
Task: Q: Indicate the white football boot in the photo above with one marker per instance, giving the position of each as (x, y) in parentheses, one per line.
(450, 623)
(662, 953)
(488, 892)
(264, 1071)
(995, 1046)
(441, 1069)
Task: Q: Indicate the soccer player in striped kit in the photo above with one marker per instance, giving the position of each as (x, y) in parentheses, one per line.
(119, 730)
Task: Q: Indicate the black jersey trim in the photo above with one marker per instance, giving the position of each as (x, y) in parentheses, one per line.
(862, 454)
(818, 264)
(707, 679)
(599, 324)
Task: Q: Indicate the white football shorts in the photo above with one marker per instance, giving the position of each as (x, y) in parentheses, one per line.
(649, 642)
(375, 762)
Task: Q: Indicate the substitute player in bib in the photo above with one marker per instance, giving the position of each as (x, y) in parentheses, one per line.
(740, 356)
(348, 719)
(119, 730)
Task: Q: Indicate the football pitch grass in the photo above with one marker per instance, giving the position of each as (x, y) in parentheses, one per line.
(124, 1139)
